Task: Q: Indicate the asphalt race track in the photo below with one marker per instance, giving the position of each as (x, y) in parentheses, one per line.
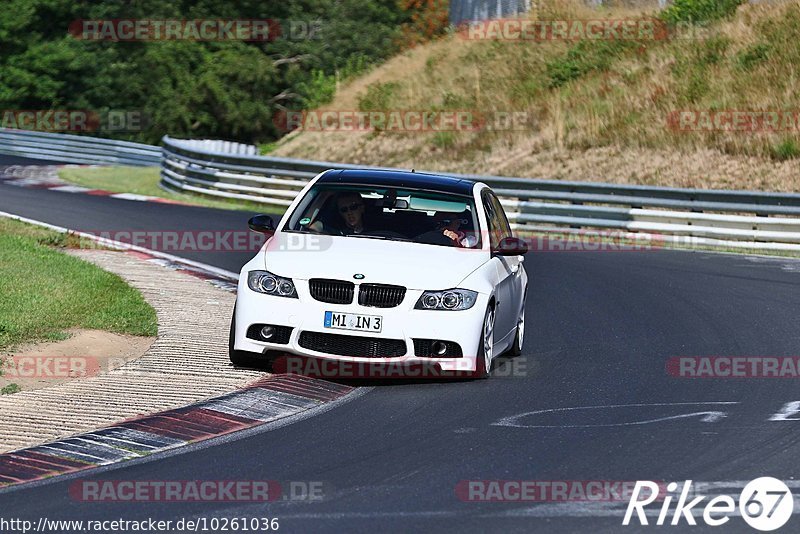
(601, 327)
(18, 160)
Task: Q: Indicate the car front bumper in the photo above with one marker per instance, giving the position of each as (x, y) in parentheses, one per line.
(403, 322)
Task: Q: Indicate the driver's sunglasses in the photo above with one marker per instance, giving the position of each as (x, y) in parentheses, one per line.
(448, 221)
(352, 207)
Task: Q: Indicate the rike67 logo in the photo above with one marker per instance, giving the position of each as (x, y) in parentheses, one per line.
(765, 504)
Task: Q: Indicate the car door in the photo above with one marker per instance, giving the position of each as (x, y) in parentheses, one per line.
(517, 282)
(507, 305)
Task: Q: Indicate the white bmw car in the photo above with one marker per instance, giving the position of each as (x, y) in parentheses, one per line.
(384, 267)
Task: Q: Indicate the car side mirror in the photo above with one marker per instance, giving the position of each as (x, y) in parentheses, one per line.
(262, 224)
(511, 246)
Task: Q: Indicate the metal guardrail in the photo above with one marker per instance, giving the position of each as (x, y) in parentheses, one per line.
(77, 148)
(736, 219)
(471, 10)
(217, 146)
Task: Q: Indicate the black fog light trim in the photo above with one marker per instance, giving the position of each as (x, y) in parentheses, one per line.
(436, 348)
(280, 334)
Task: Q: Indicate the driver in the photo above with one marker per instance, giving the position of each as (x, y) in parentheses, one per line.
(350, 206)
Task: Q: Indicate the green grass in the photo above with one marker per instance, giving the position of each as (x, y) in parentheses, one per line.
(144, 181)
(585, 57)
(379, 97)
(44, 292)
(10, 389)
(266, 148)
(700, 11)
(706, 55)
(786, 149)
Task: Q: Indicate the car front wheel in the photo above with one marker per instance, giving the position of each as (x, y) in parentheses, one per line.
(519, 339)
(483, 363)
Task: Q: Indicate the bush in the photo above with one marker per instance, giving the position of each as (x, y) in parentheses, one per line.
(429, 19)
(378, 97)
(219, 89)
(444, 140)
(318, 90)
(10, 389)
(699, 11)
(713, 51)
(583, 58)
(753, 55)
(786, 150)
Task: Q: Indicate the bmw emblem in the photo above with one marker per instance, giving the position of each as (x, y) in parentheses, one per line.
(358, 276)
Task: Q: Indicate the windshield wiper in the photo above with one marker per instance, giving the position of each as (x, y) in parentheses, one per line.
(382, 237)
(368, 236)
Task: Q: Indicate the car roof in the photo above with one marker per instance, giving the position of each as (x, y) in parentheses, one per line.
(400, 179)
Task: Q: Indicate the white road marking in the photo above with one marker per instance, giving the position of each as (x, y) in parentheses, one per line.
(70, 189)
(706, 416)
(131, 196)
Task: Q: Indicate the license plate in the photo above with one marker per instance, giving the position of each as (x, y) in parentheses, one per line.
(353, 321)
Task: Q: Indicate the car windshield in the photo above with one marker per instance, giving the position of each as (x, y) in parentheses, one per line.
(360, 211)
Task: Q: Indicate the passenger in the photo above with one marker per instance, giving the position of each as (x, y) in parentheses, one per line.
(451, 226)
(449, 230)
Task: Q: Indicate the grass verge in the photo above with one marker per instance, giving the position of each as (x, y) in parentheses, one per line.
(44, 291)
(598, 109)
(144, 181)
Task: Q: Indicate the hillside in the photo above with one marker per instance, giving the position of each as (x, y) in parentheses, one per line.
(601, 110)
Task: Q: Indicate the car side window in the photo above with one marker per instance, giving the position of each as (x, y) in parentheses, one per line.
(493, 220)
(500, 214)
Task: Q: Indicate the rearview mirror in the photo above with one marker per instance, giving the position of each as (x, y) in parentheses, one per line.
(511, 246)
(262, 224)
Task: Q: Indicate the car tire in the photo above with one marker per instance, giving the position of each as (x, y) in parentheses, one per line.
(519, 338)
(239, 358)
(483, 363)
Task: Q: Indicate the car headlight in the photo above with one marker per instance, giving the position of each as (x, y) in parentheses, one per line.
(271, 284)
(450, 299)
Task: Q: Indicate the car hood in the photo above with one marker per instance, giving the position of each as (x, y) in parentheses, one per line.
(413, 265)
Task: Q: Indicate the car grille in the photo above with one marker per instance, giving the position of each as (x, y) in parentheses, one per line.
(331, 291)
(380, 295)
(356, 346)
(424, 349)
